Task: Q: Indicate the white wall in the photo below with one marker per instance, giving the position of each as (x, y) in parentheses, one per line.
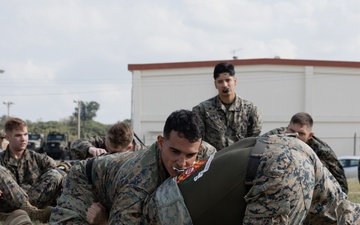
(329, 94)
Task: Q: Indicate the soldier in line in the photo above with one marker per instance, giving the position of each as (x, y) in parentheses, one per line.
(258, 180)
(227, 117)
(123, 182)
(95, 146)
(302, 123)
(119, 139)
(28, 180)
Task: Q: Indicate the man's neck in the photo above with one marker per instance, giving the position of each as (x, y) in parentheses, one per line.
(228, 99)
(16, 154)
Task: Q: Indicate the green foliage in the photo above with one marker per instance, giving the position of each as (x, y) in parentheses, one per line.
(354, 191)
(87, 110)
(88, 127)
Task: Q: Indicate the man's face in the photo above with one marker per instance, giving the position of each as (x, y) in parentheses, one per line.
(304, 131)
(177, 152)
(225, 84)
(18, 139)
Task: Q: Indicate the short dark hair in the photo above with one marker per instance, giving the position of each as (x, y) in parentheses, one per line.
(302, 118)
(14, 124)
(186, 123)
(120, 135)
(224, 67)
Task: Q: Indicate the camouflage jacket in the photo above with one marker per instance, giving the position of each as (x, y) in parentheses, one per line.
(326, 155)
(28, 169)
(79, 149)
(223, 127)
(286, 166)
(124, 181)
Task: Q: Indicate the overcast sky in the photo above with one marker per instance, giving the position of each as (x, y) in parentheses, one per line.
(57, 51)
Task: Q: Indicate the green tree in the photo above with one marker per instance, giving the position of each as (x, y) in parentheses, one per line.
(87, 110)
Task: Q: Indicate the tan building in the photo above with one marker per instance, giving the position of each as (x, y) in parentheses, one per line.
(327, 90)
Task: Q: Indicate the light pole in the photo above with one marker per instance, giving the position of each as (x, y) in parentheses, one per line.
(79, 111)
(8, 107)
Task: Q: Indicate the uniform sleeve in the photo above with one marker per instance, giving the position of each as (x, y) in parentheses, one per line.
(280, 130)
(127, 207)
(255, 123)
(79, 149)
(328, 157)
(199, 110)
(45, 162)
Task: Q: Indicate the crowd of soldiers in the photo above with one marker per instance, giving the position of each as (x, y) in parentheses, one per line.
(209, 166)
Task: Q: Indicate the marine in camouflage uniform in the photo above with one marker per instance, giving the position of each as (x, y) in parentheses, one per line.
(224, 127)
(325, 154)
(33, 177)
(122, 182)
(79, 192)
(227, 117)
(290, 186)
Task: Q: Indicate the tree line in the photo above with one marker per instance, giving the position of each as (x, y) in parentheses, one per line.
(89, 127)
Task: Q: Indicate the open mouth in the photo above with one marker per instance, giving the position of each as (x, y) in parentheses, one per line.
(227, 90)
(178, 170)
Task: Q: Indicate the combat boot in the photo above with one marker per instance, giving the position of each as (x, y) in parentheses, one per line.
(18, 217)
(43, 215)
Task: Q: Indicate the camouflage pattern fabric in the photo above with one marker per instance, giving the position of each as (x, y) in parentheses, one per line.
(33, 177)
(121, 182)
(13, 195)
(79, 149)
(291, 187)
(206, 150)
(76, 198)
(223, 127)
(325, 154)
(166, 206)
(292, 184)
(127, 186)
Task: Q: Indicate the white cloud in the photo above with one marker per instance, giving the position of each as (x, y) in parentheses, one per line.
(56, 51)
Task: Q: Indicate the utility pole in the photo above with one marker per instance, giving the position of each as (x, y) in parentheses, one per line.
(79, 112)
(8, 104)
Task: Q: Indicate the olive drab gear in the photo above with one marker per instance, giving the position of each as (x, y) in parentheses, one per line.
(34, 213)
(17, 217)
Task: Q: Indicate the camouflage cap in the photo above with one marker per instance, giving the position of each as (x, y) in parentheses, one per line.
(2, 134)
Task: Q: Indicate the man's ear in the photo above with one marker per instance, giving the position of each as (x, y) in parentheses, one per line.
(160, 140)
(311, 135)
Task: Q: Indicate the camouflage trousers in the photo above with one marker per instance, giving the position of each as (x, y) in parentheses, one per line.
(44, 192)
(77, 197)
(293, 187)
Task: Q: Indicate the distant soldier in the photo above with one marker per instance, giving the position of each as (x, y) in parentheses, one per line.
(2, 137)
(227, 117)
(28, 180)
(264, 180)
(302, 123)
(112, 142)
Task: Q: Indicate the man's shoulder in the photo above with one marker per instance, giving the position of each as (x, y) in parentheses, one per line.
(280, 130)
(35, 155)
(208, 102)
(319, 145)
